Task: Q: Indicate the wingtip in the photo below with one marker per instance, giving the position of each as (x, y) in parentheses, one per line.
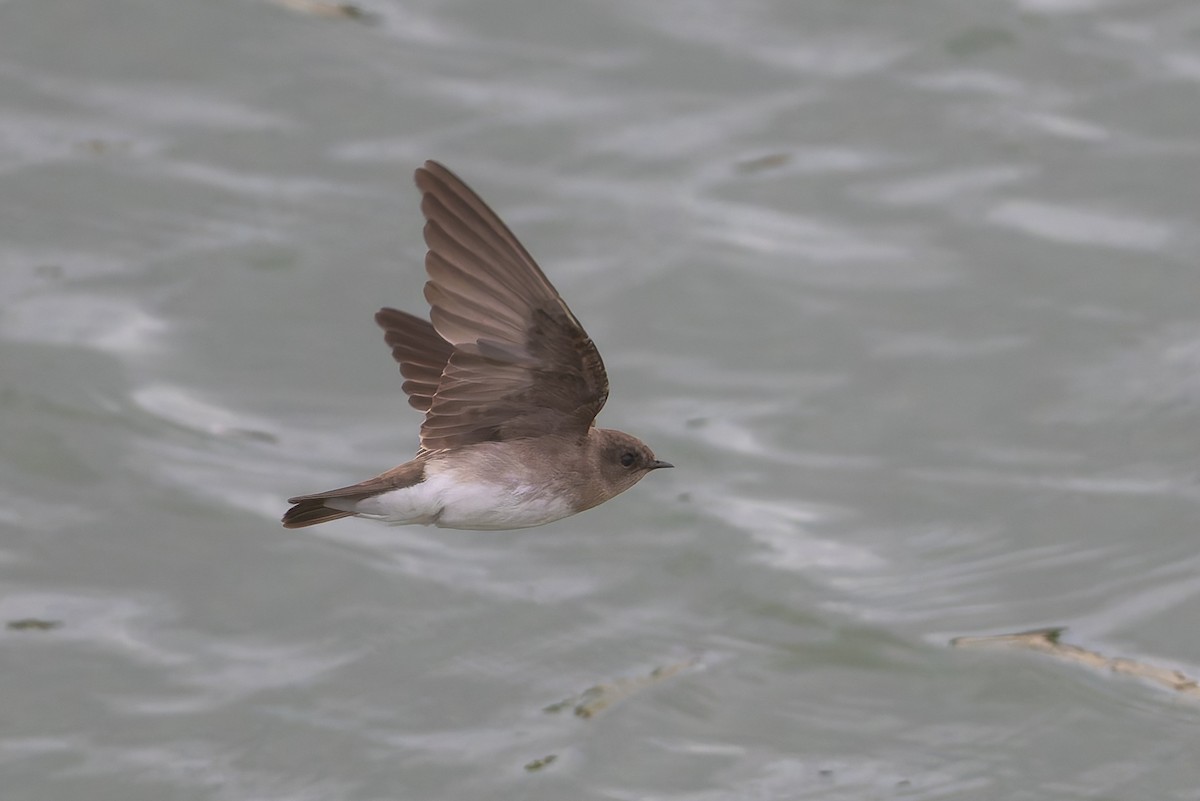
(432, 168)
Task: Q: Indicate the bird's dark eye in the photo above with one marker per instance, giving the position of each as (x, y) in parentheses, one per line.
(628, 458)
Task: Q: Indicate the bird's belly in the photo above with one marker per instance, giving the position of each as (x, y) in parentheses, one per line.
(443, 502)
(490, 507)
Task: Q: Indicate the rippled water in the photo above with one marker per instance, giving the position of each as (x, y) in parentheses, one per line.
(907, 291)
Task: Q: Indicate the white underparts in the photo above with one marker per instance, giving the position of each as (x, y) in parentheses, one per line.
(444, 501)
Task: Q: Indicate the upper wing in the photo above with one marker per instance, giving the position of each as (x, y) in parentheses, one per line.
(521, 364)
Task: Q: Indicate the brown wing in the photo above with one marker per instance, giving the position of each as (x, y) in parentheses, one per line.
(422, 354)
(522, 365)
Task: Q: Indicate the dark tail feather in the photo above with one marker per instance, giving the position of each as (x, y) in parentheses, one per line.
(311, 512)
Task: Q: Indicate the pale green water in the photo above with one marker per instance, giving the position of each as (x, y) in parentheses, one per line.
(908, 291)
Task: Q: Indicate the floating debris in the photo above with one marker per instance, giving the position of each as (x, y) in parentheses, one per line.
(33, 624)
(319, 8)
(252, 434)
(538, 764)
(103, 147)
(761, 163)
(1047, 641)
(598, 698)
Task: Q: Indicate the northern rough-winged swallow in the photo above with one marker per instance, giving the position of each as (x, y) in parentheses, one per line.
(509, 382)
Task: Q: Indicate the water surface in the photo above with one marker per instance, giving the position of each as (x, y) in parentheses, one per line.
(908, 292)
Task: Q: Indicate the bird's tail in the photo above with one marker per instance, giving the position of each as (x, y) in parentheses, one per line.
(310, 512)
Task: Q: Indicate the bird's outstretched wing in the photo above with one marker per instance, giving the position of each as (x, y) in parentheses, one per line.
(515, 361)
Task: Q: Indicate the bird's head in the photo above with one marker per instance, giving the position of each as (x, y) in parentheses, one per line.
(621, 460)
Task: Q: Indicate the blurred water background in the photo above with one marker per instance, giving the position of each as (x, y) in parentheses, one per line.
(908, 291)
